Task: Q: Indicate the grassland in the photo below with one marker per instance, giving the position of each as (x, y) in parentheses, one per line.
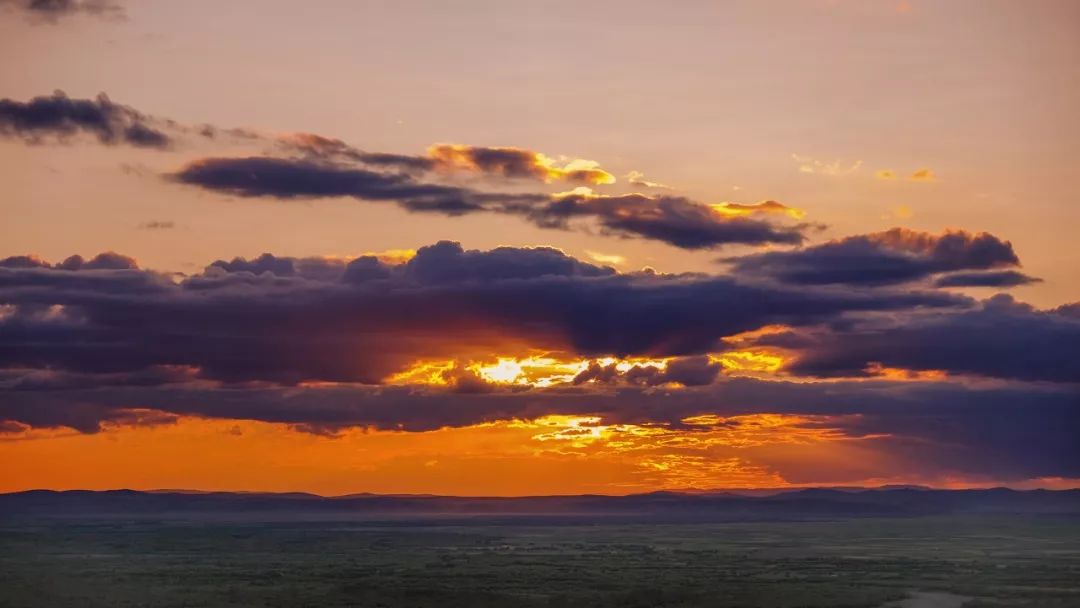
(866, 562)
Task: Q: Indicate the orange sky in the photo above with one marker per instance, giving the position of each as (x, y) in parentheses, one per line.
(547, 456)
(825, 119)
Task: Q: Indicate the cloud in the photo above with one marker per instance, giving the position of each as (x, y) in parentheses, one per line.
(52, 11)
(498, 162)
(103, 261)
(319, 166)
(109, 260)
(610, 259)
(674, 220)
(894, 256)
(836, 168)
(310, 342)
(516, 163)
(158, 225)
(294, 178)
(24, 261)
(899, 212)
(1010, 431)
(60, 117)
(1069, 310)
(686, 371)
(1000, 339)
(364, 320)
(998, 278)
(318, 148)
(762, 208)
(920, 175)
(637, 178)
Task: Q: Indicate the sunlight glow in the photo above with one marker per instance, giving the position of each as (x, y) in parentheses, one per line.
(750, 361)
(734, 210)
(539, 370)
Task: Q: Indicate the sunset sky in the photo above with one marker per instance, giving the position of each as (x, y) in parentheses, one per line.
(513, 248)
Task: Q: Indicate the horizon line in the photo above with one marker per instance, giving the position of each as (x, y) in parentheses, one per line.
(684, 491)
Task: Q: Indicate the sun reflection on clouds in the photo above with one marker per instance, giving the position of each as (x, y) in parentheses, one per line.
(878, 370)
(749, 362)
(535, 370)
(540, 371)
(702, 451)
(736, 210)
(694, 432)
(517, 162)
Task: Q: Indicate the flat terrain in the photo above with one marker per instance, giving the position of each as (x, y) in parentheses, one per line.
(911, 562)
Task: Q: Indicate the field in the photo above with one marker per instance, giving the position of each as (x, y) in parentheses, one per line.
(966, 561)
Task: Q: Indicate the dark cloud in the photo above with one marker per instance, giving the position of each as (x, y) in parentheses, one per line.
(318, 148)
(24, 261)
(504, 162)
(327, 167)
(291, 178)
(1012, 431)
(1000, 339)
(288, 320)
(102, 342)
(687, 371)
(895, 256)
(1069, 310)
(51, 11)
(674, 220)
(515, 163)
(997, 278)
(61, 117)
(103, 261)
(448, 262)
(158, 225)
(282, 267)
(109, 260)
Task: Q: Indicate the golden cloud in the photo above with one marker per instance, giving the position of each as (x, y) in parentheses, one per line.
(637, 178)
(517, 163)
(727, 209)
(836, 168)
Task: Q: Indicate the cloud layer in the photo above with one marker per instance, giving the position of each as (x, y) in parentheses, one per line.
(308, 166)
(322, 345)
(364, 320)
(677, 221)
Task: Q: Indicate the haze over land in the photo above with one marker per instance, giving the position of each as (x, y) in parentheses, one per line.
(860, 548)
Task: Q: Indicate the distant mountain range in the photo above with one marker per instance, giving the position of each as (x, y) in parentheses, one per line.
(695, 506)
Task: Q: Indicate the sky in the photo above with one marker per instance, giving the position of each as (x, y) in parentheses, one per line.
(510, 248)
